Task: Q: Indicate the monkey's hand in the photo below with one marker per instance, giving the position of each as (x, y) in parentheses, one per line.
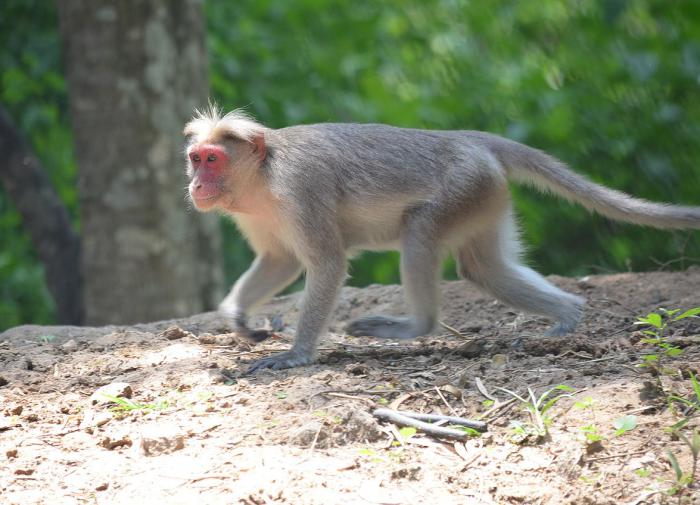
(252, 336)
(240, 324)
(287, 359)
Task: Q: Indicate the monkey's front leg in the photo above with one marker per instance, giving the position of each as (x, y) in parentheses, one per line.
(323, 283)
(268, 274)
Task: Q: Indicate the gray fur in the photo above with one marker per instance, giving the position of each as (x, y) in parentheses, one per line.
(338, 188)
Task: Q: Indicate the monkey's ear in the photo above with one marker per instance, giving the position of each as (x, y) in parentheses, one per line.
(259, 146)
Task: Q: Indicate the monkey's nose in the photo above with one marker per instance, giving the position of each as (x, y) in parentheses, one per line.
(203, 190)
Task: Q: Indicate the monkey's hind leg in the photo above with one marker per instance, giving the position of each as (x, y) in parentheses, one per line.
(491, 260)
(420, 262)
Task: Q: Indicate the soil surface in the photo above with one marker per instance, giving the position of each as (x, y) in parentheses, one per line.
(179, 423)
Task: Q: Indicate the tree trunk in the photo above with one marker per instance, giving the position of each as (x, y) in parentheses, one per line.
(45, 218)
(135, 70)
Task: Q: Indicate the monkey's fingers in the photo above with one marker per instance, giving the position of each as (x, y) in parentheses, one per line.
(288, 359)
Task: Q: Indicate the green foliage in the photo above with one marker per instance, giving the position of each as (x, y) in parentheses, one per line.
(32, 89)
(609, 87)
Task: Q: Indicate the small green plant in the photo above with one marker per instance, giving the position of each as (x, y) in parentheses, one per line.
(372, 455)
(590, 431)
(643, 472)
(469, 431)
(281, 395)
(624, 424)
(538, 409)
(591, 479)
(656, 326)
(683, 481)
(694, 403)
(328, 417)
(127, 405)
(405, 434)
(45, 339)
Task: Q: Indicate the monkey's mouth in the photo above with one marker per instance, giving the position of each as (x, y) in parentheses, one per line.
(204, 192)
(203, 198)
(204, 202)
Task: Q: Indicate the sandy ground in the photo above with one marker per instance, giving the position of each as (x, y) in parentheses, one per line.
(193, 429)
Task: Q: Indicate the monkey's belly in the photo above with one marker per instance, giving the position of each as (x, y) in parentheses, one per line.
(371, 238)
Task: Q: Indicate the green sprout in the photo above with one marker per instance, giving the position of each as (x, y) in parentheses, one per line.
(538, 409)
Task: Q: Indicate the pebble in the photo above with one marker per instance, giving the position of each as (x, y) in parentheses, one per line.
(175, 333)
(115, 389)
(157, 440)
(70, 346)
(111, 444)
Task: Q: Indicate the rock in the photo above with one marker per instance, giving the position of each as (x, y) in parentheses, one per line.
(122, 337)
(11, 454)
(93, 419)
(3, 381)
(70, 346)
(584, 283)
(306, 434)
(114, 443)
(358, 369)
(31, 418)
(360, 426)
(17, 410)
(499, 360)
(77, 441)
(115, 389)
(24, 471)
(471, 349)
(102, 487)
(158, 440)
(174, 333)
(207, 338)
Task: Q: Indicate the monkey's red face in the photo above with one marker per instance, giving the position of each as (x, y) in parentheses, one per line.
(209, 164)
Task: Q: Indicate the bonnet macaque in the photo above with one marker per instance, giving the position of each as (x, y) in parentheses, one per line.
(306, 197)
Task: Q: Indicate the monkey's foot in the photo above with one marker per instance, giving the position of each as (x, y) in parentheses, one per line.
(402, 328)
(287, 359)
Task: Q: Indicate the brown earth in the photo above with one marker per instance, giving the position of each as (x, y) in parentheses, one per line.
(197, 431)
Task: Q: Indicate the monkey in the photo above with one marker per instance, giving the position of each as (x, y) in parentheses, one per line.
(307, 197)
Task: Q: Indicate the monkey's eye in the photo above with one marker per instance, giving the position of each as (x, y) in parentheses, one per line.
(196, 157)
(211, 157)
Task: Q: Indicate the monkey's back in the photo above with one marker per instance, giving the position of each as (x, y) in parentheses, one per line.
(372, 175)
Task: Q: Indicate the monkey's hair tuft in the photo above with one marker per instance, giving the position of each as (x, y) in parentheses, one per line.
(211, 121)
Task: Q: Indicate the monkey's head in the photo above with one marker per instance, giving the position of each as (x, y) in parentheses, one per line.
(224, 154)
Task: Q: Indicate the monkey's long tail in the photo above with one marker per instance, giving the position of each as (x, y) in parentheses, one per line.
(532, 166)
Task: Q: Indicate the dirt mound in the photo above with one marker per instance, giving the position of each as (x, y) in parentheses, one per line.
(179, 423)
